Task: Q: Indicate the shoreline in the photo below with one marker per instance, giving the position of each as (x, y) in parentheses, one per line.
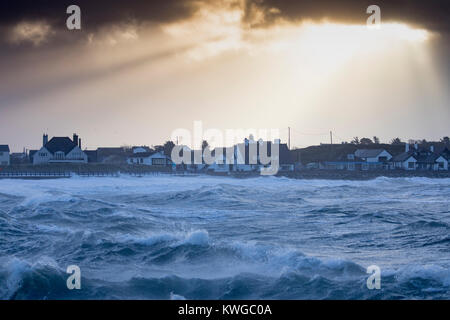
(301, 175)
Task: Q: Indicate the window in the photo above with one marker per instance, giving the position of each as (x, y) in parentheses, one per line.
(441, 165)
(43, 154)
(410, 165)
(59, 155)
(1, 154)
(382, 159)
(158, 161)
(141, 160)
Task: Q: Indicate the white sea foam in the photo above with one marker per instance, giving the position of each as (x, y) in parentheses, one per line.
(176, 297)
(194, 237)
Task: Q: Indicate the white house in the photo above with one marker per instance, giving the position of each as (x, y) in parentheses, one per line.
(155, 159)
(406, 161)
(60, 150)
(441, 163)
(4, 155)
(373, 155)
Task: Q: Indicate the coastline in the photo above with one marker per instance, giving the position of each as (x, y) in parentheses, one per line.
(65, 172)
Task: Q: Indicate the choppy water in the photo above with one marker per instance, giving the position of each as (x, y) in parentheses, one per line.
(223, 238)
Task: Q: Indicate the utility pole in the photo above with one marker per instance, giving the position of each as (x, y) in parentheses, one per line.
(331, 137)
(289, 138)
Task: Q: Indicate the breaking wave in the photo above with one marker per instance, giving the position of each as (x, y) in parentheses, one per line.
(222, 238)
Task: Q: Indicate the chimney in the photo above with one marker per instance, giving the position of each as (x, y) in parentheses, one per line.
(79, 142)
(416, 146)
(407, 147)
(44, 139)
(75, 139)
(432, 149)
(277, 141)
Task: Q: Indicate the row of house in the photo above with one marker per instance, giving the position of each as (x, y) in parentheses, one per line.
(236, 158)
(227, 160)
(245, 157)
(412, 158)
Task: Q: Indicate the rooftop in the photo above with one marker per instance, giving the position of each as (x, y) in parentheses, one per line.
(368, 153)
(64, 144)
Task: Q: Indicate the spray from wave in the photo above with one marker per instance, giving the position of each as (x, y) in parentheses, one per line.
(223, 238)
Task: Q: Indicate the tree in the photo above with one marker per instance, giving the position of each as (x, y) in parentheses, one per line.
(396, 141)
(376, 140)
(158, 148)
(167, 148)
(355, 140)
(446, 141)
(366, 141)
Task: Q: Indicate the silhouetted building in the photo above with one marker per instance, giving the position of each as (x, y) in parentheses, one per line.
(60, 150)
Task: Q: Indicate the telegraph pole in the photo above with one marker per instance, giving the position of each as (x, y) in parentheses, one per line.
(331, 137)
(289, 138)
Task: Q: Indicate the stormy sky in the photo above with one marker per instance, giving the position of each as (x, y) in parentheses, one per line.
(137, 70)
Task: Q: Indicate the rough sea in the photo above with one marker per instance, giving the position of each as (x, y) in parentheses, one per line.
(202, 237)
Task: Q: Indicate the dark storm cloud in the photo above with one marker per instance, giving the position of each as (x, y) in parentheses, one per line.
(95, 13)
(431, 14)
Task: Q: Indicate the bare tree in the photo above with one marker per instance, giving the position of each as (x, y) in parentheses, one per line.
(355, 140)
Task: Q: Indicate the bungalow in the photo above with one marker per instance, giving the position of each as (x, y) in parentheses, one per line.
(361, 159)
(427, 159)
(406, 161)
(442, 162)
(60, 150)
(446, 155)
(420, 159)
(155, 159)
(4, 155)
(373, 155)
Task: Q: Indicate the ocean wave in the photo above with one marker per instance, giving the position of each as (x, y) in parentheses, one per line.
(46, 280)
(224, 238)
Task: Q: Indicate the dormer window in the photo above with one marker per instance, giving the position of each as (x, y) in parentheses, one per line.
(59, 155)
